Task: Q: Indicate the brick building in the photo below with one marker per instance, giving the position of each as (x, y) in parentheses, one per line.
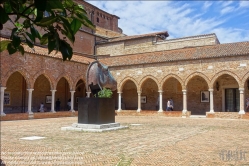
(200, 74)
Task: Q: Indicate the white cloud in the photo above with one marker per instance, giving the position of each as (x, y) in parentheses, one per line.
(179, 18)
(244, 4)
(206, 5)
(227, 9)
(229, 35)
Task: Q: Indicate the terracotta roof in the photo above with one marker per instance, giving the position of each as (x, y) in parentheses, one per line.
(44, 51)
(139, 36)
(191, 53)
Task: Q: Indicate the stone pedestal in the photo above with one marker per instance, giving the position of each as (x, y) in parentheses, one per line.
(96, 110)
(94, 127)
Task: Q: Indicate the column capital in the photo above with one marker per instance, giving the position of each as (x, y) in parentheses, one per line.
(53, 90)
(241, 89)
(160, 91)
(3, 88)
(211, 90)
(120, 92)
(30, 90)
(72, 91)
(184, 90)
(139, 92)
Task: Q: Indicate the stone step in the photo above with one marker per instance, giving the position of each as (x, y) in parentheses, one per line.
(197, 116)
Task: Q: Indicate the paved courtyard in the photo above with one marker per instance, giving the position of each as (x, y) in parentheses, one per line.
(149, 140)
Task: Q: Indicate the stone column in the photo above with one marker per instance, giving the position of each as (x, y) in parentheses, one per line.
(211, 100)
(160, 101)
(119, 101)
(88, 94)
(139, 101)
(30, 101)
(72, 101)
(52, 103)
(2, 101)
(241, 91)
(184, 111)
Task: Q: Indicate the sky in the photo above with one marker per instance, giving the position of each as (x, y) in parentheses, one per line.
(229, 20)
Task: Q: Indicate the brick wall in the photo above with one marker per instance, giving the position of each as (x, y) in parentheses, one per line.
(148, 44)
(106, 20)
(41, 73)
(195, 77)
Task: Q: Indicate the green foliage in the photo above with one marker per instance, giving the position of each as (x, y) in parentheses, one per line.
(62, 17)
(105, 93)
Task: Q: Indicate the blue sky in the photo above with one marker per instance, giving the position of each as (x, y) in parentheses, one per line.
(228, 19)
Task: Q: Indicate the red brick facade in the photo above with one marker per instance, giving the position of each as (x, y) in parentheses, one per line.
(144, 66)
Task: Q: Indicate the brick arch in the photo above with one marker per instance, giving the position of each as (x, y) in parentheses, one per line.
(122, 83)
(194, 75)
(23, 72)
(145, 78)
(45, 75)
(81, 77)
(171, 76)
(68, 81)
(216, 76)
(245, 77)
(75, 83)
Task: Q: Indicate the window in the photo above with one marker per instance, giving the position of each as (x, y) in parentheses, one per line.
(97, 19)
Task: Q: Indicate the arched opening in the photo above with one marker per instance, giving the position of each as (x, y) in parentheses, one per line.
(80, 91)
(172, 89)
(63, 94)
(41, 94)
(149, 95)
(226, 94)
(129, 96)
(198, 96)
(16, 94)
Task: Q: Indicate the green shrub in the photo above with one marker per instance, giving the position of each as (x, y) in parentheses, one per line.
(105, 93)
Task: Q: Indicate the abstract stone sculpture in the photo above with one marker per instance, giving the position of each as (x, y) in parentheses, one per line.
(98, 77)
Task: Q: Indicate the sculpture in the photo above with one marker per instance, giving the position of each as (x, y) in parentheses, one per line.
(98, 77)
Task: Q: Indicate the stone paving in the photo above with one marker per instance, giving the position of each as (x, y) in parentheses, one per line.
(149, 140)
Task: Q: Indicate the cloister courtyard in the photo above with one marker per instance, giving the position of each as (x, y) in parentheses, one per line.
(148, 140)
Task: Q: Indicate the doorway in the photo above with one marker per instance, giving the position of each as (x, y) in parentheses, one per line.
(232, 100)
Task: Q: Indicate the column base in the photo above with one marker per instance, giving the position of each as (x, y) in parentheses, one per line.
(241, 112)
(184, 112)
(30, 113)
(138, 110)
(72, 110)
(211, 111)
(119, 110)
(160, 111)
(53, 111)
(2, 114)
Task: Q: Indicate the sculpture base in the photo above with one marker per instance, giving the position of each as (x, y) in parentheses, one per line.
(94, 127)
(96, 110)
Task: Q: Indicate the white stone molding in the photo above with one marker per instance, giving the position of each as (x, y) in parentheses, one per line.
(88, 94)
(119, 101)
(72, 101)
(160, 101)
(2, 101)
(241, 91)
(52, 103)
(30, 101)
(139, 101)
(211, 100)
(184, 111)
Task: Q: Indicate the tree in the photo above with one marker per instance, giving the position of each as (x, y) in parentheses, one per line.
(58, 19)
